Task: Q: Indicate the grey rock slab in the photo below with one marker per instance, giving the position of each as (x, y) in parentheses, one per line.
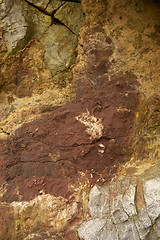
(152, 197)
(116, 206)
(95, 202)
(119, 216)
(71, 15)
(142, 231)
(60, 48)
(127, 231)
(99, 203)
(154, 211)
(157, 227)
(144, 218)
(129, 201)
(90, 230)
(37, 21)
(151, 235)
(5, 7)
(53, 6)
(152, 191)
(108, 232)
(21, 24)
(14, 27)
(117, 211)
(39, 3)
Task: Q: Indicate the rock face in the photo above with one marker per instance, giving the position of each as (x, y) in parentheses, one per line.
(88, 136)
(79, 120)
(116, 211)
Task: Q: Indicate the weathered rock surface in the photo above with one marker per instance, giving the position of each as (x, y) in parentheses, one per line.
(77, 137)
(79, 120)
(35, 20)
(71, 15)
(15, 27)
(26, 73)
(6, 6)
(115, 213)
(46, 5)
(59, 49)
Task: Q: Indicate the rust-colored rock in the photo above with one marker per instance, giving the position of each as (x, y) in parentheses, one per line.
(51, 152)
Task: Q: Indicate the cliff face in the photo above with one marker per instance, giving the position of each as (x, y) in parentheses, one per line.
(80, 119)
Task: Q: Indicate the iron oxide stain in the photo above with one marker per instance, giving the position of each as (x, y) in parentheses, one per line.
(49, 153)
(90, 136)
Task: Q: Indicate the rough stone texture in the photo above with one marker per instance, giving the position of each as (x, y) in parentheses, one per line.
(27, 74)
(79, 111)
(54, 212)
(62, 142)
(35, 21)
(119, 205)
(46, 5)
(152, 198)
(6, 6)
(23, 218)
(59, 49)
(15, 28)
(71, 15)
(91, 229)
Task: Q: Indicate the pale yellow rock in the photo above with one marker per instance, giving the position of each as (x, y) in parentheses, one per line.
(43, 211)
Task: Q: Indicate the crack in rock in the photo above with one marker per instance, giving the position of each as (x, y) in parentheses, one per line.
(54, 19)
(137, 225)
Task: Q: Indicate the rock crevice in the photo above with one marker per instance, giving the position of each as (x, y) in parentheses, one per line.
(51, 14)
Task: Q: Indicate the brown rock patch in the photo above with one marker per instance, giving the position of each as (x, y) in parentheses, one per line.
(47, 154)
(24, 74)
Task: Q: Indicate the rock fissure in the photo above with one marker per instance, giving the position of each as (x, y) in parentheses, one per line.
(57, 21)
(117, 233)
(25, 162)
(39, 8)
(146, 207)
(47, 5)
(135, 199)
(55, 10)
(134, 221)
(54, 19)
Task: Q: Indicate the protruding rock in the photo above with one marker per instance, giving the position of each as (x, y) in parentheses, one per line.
(59, 45)
(119, 205)
(6, 6)
(15, 28)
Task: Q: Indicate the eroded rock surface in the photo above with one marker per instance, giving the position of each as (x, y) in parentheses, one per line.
(115, 212)
(79, 120)
(91, 136)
